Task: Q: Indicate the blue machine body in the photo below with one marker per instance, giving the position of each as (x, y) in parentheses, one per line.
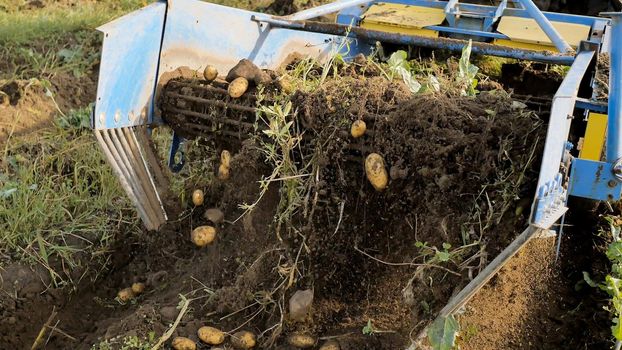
(142, 49)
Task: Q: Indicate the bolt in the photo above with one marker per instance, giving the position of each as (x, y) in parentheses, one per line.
(611, 183)
(617, 169)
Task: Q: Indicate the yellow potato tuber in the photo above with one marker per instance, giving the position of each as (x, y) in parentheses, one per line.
(223, 172)
(211, 335)
(225, 158)
(376, 171)
(238, 87)
(203, 235)
(243, 340)
(125, 295)
(330, 345)
(210, 73)
(183, 343)
(301, 341)
(358, 129)
(138, 288)
(197, 197)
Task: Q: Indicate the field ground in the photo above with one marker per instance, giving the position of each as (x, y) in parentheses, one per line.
(70, 240)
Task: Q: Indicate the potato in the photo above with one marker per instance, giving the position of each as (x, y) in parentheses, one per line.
(183, 343)
(203, 235)
(197, 197)
(223, 172)
(330, 345)
(210, 73)
(125, 295)
(243, 340)
(211, 335)
(358, 129)
(138, 288)
(238, 87)
(302, 341)
(376, 171)
(225, 158)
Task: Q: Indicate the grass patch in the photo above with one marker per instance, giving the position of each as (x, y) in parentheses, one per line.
(23, 26)
(60, 203)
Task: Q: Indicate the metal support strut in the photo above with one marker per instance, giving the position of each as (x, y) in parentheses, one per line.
(544, 23)
(614, 121)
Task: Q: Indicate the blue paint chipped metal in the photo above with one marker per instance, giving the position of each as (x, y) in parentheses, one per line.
(128, 68)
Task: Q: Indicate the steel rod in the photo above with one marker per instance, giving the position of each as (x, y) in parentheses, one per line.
(326, 9)
(546, 26)
(414, 40)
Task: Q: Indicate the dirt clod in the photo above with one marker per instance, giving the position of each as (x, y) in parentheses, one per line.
(248, 70)
(214, 215)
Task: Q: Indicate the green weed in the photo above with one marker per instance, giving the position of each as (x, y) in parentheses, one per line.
(128, 343)
(60, 204)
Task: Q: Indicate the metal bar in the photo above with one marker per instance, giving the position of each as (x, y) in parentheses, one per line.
(590, 105)
(544, 23)
(614, 121)
(142, 177)
(213, 102)
(124, 176)
(559, 122)
(121, 176)
(483, 277)
(467, 32)
(140, 155)
(326, 9)
(403, 39)
(130, 172)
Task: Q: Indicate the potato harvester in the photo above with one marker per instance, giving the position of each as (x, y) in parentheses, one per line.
(142, 47)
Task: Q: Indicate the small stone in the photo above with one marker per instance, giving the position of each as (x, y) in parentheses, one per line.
(214, 215)
(300, 304)
(247, 69)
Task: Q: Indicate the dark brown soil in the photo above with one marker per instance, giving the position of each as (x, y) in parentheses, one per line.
(536, 302)
(462, 171)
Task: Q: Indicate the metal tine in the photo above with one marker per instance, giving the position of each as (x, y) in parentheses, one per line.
(153, 163)
(116, 167)
(136, 167)
(129, 173)
(135, 180)
(152, 167)
(144, 173)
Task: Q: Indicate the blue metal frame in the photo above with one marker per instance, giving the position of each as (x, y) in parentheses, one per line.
(601, 180)
(129, 68)
(190, 33)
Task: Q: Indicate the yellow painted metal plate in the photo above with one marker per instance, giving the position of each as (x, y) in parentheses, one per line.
(525, 33)
(594, 139)
(403, 19)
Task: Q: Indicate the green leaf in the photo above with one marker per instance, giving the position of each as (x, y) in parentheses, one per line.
(616, 329)
(588, 280)
(398, 59)
(443, 256)
(400, 66)
(368, 329)
(467, 71)
(446, 246)
(614, 252)
(442, 334)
